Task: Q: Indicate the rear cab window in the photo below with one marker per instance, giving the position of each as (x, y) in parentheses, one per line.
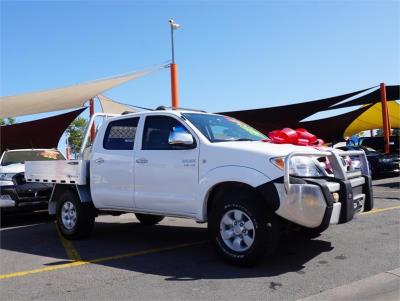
(120, 134)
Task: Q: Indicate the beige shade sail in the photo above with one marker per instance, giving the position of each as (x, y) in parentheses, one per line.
(372, 119)
(112, 107)
(64, 98)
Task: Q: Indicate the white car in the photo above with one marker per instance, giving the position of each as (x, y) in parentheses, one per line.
(207, 167)
(15, 193)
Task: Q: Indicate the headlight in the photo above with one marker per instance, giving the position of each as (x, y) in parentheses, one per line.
(6, 176)
(300, 166)
(384, 160)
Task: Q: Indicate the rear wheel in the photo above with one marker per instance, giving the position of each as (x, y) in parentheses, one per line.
(148, 219)
(242, 229)
(74, 218)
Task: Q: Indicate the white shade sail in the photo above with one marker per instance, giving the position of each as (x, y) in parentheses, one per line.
(64, 98)
(112, 107)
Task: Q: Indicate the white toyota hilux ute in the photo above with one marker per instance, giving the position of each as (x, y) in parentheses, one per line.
(208, 167)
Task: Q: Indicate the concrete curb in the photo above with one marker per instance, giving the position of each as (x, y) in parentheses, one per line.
(383, 286)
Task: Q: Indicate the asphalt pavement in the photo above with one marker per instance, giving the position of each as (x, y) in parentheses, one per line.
(125, 260)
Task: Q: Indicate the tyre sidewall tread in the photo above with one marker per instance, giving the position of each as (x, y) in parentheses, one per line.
(265, 236)
(85, 216)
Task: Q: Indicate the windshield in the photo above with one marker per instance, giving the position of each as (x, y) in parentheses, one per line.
(13, 157)
(218, 128)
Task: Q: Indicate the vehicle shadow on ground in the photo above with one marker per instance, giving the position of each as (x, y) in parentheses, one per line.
(393, 185)
(202, 262)
(181, 264)
(29, 233)
(25, 218)
(387, 175)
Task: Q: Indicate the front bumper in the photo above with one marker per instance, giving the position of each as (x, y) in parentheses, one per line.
(27, 198)
(353, 197)
(317, 203)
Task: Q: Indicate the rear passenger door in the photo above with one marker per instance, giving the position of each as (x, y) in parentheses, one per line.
(112, 167)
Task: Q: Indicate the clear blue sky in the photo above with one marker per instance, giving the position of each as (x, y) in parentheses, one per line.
(231, 55)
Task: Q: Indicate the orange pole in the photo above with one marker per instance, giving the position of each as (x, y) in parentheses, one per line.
(92, 130)
(67, 152)
(385, 119)
(174, 86)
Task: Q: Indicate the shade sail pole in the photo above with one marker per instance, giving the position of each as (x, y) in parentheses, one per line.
(92, 130)
(174, 86)
(67, 149)
(385, 118)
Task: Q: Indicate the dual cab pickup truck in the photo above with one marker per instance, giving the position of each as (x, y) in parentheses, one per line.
(207, 167)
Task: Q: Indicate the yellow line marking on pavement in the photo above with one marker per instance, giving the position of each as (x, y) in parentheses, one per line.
(72, 253)
(377, 210)
(98, 260)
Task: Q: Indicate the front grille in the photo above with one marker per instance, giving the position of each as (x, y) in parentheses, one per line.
(34, 191)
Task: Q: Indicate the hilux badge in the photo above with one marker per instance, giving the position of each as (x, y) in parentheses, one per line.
(189, 162)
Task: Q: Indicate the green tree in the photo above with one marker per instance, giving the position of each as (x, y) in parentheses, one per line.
(76, 131)
(7, 121)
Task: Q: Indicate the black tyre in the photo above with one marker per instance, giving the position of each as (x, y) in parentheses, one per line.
(243, 230)
(148, 219)
(74, 219)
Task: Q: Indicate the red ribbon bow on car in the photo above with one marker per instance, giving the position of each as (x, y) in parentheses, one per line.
(296, 137)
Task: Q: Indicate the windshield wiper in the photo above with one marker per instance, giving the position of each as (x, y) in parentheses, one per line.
(242, 139)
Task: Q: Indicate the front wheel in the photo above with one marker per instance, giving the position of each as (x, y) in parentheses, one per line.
(74, 218)
(243, 231)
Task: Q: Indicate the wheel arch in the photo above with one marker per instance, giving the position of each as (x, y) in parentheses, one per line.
(229, 175)
(265, 193)
(82, 192)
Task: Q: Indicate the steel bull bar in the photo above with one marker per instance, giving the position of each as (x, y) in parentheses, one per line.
(346, 192)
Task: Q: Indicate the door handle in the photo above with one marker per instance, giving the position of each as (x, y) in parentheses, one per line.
(142, 161)
(99, 160)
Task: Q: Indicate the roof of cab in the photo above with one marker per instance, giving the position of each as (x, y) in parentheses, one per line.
(165, 111)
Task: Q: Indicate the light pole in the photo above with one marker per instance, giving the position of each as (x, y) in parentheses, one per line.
(174, 68)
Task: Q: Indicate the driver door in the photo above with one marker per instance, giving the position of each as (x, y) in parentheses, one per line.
(166, 178)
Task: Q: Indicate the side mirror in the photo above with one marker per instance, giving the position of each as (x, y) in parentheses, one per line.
(180, 138)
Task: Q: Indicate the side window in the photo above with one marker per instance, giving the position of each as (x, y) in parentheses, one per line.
(157, 130)
(120, 134)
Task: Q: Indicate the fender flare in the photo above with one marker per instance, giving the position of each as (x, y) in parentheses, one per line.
(224, 174)
(83, 192)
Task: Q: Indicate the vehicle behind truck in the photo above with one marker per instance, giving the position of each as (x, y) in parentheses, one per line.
(207, 167)
(15, 193)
